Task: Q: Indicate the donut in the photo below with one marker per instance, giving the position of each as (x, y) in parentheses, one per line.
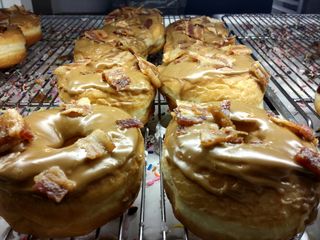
(231, 171)
(68, 170)
(28, 22)
(95, 43)
(317, 100)
(141, 23)
(185, 32)
(118, 79)
(203, 73)
(12, 46)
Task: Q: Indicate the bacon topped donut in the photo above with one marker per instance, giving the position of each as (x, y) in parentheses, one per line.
(68, 170)
(233, 172)
(118, 79)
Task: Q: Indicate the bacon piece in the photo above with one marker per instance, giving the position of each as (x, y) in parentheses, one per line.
(148, 23)
(79, 108)
(261, 74)
(301, 131)
(96, 144)
(116, 78)
(309, 159)
(96, 35)
(237, 49)
(123, 32)
(220, 117)
(224, 135)
(129, 123)
(149, 70)
(187, 116)
(53, 183)
(122, 24)
(13, 130)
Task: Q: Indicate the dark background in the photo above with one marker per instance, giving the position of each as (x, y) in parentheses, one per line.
(175, 7)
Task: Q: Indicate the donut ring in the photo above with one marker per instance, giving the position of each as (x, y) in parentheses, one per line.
(12, 46)
(237, 173)
(67, 171)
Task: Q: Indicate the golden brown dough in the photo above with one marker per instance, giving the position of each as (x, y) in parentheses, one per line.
(12, 46)
(28, 22)
(118, 79)
(232, 174)
(203, 73)
(143, 24)
(68, 170)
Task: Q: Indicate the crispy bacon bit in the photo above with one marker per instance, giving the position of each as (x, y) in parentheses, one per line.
(53, 183)
(309, 159)
(237, 49)
(13, 130)
(129, 123)
(149, 70)
(96, 145)
(187, 116)
(96, 35)
(116, 78)
(122, 24)
(123, 32)
(300, 130)
(195, 31)
(220, 117)
(224, 135)
(79, 108)
(261, 74)
(148, 23)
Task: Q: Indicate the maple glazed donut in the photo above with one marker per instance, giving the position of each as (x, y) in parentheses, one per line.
(236, 173)
(118, 79)
(12, 46)
(28, 22)
(204, 74)
(141, 23)
(68, 170)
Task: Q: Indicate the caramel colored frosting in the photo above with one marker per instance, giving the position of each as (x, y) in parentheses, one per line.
(203, 73)
(265, 157)
(56, 142)
(134, 93)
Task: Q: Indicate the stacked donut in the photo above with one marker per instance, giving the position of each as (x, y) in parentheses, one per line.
(68, 170)
(18, 28)
(202, 64)
(231, 171)
(110, 66)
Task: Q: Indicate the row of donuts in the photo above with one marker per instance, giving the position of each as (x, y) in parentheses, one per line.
(230, 170)
(68, 170)
(110, 66)
(19, 29)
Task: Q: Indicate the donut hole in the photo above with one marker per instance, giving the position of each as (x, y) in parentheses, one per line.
(71, 140)
(246, 126)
